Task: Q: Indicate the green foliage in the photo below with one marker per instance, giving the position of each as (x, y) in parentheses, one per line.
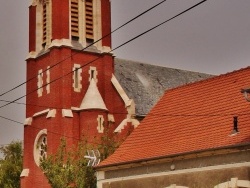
(68, 168)
(108, 144)
(11, 165)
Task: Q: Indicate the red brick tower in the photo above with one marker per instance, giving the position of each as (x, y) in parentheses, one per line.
(71, 92)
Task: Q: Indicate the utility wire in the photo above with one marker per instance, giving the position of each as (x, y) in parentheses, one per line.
(11, 120)
(110, 51)
(145, 32)
(52, 66)
(151, 114)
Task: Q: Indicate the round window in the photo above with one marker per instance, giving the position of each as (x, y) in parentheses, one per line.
(40, 146)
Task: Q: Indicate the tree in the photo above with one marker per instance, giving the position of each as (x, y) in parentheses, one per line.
(68, 168)
(11, 165)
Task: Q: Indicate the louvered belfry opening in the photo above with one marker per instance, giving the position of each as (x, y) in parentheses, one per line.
(89, 21)
(74, 20)
(44, 24)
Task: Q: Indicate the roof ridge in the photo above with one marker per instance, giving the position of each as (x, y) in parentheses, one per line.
(146, 63)
(208, 79)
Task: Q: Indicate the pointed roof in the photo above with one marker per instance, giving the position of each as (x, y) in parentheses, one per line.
(190, 118)
(93, 98)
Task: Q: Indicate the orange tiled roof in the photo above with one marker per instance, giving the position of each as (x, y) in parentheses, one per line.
(193, 117)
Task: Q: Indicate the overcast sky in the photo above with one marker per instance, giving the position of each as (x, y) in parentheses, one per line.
(212, 38)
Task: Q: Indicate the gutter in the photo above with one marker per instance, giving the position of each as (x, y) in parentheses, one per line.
(196, 153)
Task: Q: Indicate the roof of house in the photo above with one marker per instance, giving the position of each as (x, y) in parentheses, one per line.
(146, 83)
(194, 117)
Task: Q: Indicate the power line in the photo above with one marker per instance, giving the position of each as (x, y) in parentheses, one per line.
(208, 115)
(151, 114)
(52, 66)
(108, 52)
(98, 58)
(145, 32)
(11, 120)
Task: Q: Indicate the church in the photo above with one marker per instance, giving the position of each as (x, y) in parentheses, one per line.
(197, 135)
(76, 85)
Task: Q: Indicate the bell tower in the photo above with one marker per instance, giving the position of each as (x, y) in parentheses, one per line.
(72, 92)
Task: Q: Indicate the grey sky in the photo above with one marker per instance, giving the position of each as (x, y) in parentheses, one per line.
(212, 38)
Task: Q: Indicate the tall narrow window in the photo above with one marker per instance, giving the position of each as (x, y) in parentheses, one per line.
(44, 24)
(74, 20)
(100, 122)
(40, 147)
(40, 83)
(48, 79)
(89, 21)
(77, 78)
(93, 74)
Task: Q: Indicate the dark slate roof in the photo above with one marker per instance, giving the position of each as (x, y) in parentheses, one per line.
(146, 83)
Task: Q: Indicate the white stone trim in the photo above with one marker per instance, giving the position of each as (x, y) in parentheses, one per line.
(93, 98)
(175, 186)
(33, 2)
(31, 55)
(60, 42)
(28, 121)
(40, 83)
(75, 109)
(101, 179)
(48, 80)
(106, 49)
(35, 149)
(234, 183)
(135, 123)
(121, 126)
(97, 21)
(111, 118)
(25, 173)
(100, 175)
(81, 30)
(51, 113)
(95, 73)
(100, 121)
(120, 90)
(39, 25)
(41, 113)
(129, 104)
(77, 78)
(67, 113)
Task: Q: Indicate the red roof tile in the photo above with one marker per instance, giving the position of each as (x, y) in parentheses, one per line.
(193, 117)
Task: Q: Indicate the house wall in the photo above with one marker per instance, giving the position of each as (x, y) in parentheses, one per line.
(199, 179)
(196, 172)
